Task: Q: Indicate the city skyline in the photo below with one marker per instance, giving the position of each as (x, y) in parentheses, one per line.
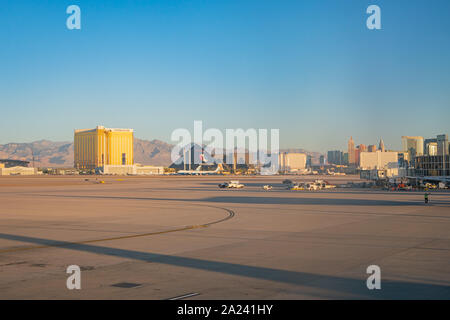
(360, 146)
(312, 70)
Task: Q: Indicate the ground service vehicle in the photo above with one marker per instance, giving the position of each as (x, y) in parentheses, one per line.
(231, 184)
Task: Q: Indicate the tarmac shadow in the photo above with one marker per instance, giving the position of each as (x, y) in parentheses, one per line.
(330, 286)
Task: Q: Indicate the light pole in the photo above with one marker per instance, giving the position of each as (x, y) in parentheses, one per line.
(443, 157)
(184, 157)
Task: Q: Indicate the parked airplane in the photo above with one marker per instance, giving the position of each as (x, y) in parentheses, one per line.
(198, 171)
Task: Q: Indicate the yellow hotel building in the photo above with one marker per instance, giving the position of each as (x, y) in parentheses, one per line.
(102, 146)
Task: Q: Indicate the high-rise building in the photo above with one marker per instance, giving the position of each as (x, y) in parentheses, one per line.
(351, 151)
(381, 146)
(361, 148)
(94, 148)
(335, 157)
(442, 145)
(403, 159)
(372, 148)
(430, 147)
(322, 159)
(308, 161)
(414, 147)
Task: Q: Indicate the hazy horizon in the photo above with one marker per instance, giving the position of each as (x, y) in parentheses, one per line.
(174, 143)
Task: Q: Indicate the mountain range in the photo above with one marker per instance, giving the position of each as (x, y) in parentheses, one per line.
(60, 154)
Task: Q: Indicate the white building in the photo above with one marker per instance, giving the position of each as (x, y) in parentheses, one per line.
(149, 170)
(378, 160)
(16, 171)
(292, 162)
(134, 169)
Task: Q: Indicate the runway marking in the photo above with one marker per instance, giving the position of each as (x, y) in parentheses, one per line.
(188, 295)
(231, 214)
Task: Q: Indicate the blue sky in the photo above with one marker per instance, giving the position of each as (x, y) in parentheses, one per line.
(309, 68)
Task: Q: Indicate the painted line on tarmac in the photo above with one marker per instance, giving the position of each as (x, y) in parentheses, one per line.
(188, 295)
(231, 214)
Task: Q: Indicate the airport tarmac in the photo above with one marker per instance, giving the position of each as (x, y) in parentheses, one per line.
(182, 236)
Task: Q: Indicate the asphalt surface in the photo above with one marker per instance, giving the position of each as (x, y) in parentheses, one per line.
(169, 237)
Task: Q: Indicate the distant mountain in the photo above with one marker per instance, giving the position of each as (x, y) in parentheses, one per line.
(46, 153)
(154, 152)
(60, 154)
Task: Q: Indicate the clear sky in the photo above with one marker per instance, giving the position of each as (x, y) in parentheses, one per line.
(309, 68)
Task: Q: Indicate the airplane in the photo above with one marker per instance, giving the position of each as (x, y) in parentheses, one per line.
(198, 171)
